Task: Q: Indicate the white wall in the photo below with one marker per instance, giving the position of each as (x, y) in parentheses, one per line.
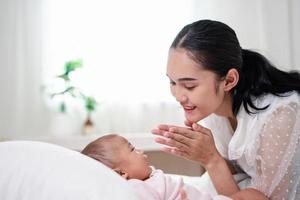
(270, 26)
(277, 32)
(295, 22)
(238, 15)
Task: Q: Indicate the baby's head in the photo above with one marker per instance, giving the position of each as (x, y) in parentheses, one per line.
(117, 153)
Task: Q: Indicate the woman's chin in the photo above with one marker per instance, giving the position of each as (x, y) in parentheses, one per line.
(193, 118)
(190, 118)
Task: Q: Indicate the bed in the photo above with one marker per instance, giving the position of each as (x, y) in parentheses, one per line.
(32, 170)
(42, 171)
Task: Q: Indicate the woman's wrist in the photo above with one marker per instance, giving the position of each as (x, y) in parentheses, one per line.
(215, 160)
(221, 176)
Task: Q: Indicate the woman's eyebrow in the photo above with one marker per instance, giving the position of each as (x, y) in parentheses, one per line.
(184, 79)
(187, 79)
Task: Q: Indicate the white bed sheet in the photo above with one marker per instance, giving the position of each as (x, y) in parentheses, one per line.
(41, 171)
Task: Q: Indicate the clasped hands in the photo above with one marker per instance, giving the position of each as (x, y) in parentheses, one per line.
(193, 142)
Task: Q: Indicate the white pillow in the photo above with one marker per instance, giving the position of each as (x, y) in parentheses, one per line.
(41, 171)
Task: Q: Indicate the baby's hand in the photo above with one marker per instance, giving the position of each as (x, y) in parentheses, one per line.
(183, 195)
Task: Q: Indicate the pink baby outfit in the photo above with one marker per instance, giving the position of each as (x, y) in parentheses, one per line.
(160, 186)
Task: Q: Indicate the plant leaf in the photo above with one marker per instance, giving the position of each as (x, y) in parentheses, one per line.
(72, 65)
(64, 76)
(62, 107)
(90, 104)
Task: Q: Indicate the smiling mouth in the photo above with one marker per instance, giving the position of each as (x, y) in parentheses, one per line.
(189, 108)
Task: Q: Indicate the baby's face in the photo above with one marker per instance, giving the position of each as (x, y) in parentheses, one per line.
(134, 161)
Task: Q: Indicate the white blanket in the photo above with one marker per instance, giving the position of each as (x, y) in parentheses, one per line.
(42, 171)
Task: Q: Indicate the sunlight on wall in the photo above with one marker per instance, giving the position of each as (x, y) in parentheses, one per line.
(123, 44)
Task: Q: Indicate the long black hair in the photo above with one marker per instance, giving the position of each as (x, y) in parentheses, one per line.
(215, 45)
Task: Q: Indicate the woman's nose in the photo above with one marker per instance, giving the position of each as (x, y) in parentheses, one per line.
(181, 98)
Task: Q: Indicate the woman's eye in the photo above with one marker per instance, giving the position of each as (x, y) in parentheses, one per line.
(190, 87)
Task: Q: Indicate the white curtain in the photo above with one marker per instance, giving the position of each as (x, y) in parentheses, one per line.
(21, 105)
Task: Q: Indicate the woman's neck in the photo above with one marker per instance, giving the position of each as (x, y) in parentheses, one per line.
(226, 111)
(225, 108)
(233, 122)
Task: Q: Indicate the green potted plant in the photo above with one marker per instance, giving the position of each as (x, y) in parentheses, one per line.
(70, 90)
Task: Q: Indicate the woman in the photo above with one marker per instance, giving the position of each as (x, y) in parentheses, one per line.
(250, 112)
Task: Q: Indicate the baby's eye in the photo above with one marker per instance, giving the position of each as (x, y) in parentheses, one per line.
(132, 149)
(172, 83)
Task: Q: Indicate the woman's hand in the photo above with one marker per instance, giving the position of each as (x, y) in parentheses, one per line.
(194, 143)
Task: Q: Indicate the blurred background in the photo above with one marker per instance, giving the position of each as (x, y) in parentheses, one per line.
(122, 48)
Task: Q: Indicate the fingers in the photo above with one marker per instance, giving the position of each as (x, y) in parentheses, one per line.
(161, 130)
(197, 127)
(180, 140)
(195, 143)
(188, 123)
(184, 132)
(171, 150)
(172, 143)
(158, 132)
(176, 152)
(193, 126)
(164, 127)
(178, 136)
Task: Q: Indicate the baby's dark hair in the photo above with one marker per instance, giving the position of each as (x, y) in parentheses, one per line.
(104, 150)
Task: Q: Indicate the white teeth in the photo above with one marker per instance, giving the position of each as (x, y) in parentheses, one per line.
(189, 108)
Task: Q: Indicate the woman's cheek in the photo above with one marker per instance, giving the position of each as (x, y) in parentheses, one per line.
(172, 91)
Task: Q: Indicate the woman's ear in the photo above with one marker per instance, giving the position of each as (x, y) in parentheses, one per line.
(231, 79)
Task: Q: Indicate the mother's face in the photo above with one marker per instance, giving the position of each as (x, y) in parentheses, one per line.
(195, 88)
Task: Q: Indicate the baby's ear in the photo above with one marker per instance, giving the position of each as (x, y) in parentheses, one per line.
(122, 173)
(125, 175)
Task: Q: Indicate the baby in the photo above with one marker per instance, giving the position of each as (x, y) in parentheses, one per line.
(118, 154)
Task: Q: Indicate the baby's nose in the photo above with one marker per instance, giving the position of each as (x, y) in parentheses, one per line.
(140, 151)
(145, 155)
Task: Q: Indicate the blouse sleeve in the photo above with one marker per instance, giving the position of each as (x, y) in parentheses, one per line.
(278, 157)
